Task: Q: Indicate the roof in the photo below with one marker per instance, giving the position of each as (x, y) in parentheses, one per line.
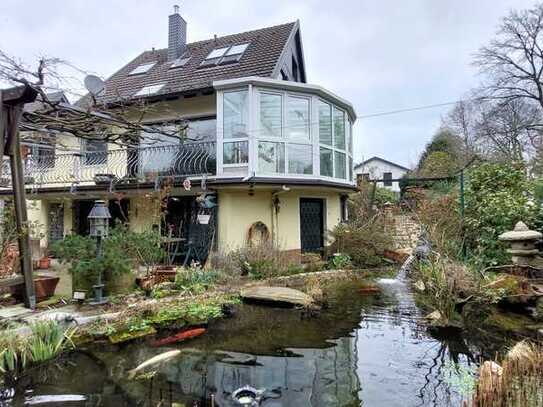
(382, 160)
(265, 48)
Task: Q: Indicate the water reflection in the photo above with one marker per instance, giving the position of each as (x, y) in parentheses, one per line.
(363, 350)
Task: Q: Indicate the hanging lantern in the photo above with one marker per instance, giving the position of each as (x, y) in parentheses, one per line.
(99, 218)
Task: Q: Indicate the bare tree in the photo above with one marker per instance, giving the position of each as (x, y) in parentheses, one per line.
(461, 121)
(513, 61)
(508, 130)
(124, 125)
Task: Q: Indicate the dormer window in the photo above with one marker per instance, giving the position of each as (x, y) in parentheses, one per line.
(141, 69)
(149, 90)
(179, 62)
(225, 55)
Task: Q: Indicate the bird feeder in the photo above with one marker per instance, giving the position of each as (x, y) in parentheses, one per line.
(522, 241)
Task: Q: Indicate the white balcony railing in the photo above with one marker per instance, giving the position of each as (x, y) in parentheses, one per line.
(126, 165)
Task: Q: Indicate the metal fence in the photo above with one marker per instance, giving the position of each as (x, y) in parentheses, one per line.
(143, 164)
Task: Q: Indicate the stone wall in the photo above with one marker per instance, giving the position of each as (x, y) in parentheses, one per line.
(404, 228)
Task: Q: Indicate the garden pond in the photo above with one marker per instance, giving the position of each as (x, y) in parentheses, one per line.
(360, 351)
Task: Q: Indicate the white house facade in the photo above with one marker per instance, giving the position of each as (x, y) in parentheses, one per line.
(377, 168)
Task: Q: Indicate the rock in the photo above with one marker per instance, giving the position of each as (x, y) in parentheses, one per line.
(419, 285)
(434, 316)
(279, 295)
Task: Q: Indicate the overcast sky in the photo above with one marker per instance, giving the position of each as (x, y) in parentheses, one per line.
(381, 55)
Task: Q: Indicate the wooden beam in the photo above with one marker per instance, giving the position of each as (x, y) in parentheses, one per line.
(10, 117)
(19, 95)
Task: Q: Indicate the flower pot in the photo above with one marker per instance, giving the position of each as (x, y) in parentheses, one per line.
(44, 263)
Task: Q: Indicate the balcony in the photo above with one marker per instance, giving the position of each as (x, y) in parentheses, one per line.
(124, 165)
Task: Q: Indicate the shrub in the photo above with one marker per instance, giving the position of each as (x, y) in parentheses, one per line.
(195, 279)
(340, 261)
(263, 261)
(497, 197)
(444, 282)
(122, 251)
(443, 223)
(364, 242)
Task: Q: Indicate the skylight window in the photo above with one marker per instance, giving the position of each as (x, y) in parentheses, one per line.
(217, 53)
(179, 62)
(149, 90)
(237, 49)
(225, 55)
(142, 68)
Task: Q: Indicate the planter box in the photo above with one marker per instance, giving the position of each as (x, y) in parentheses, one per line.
(44, 285)
(165, 274)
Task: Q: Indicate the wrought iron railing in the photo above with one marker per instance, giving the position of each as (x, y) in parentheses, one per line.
(143, 164)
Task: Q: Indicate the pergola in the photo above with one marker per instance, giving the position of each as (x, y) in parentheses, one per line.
(84, 123)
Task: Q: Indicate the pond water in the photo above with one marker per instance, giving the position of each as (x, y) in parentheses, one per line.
(361, 351)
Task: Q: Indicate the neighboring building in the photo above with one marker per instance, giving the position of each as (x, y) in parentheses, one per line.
(379, 168)
(273, 151)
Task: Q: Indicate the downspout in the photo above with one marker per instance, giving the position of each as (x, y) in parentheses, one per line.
(275, 212)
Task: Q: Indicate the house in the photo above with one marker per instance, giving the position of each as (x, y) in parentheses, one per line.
(378, 168)
(266, 155)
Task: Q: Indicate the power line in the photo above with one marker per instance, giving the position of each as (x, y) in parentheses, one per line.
(412, 109)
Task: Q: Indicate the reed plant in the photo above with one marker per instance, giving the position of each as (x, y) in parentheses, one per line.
(47, 340)
(517, 383)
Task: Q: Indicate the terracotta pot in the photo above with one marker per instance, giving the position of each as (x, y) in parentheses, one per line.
(44, 263)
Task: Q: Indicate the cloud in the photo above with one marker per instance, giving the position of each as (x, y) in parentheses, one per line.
(380, 55)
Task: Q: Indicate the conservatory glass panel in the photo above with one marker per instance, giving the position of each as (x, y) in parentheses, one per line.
(339, 129)
(325, 123)
(300, 159)
(297, 117)
(235, 112)
(327, 168)
(339, 163)
(235, 152)
(271, 157)
(270, 115)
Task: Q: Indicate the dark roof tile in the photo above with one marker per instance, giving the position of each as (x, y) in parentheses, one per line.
(259, 59)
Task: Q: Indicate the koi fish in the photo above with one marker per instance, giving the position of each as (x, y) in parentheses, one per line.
(181, 336)
(153, 361)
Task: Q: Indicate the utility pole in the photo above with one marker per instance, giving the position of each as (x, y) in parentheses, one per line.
(12, 102)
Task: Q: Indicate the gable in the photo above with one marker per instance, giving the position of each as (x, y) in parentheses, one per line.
(380, 162)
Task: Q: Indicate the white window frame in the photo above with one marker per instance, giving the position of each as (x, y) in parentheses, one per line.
(283, 138)
(255, 135)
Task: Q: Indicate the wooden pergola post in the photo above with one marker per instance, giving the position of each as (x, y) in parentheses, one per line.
(12, 102)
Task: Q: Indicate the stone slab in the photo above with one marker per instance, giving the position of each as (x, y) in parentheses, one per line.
(282, 295)
(14, 311)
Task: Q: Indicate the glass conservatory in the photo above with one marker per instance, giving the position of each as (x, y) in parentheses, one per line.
(278, 129)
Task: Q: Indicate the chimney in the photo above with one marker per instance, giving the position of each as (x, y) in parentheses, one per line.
(177, 35)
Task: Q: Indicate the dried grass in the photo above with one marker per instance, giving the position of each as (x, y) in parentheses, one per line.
(518, 383)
